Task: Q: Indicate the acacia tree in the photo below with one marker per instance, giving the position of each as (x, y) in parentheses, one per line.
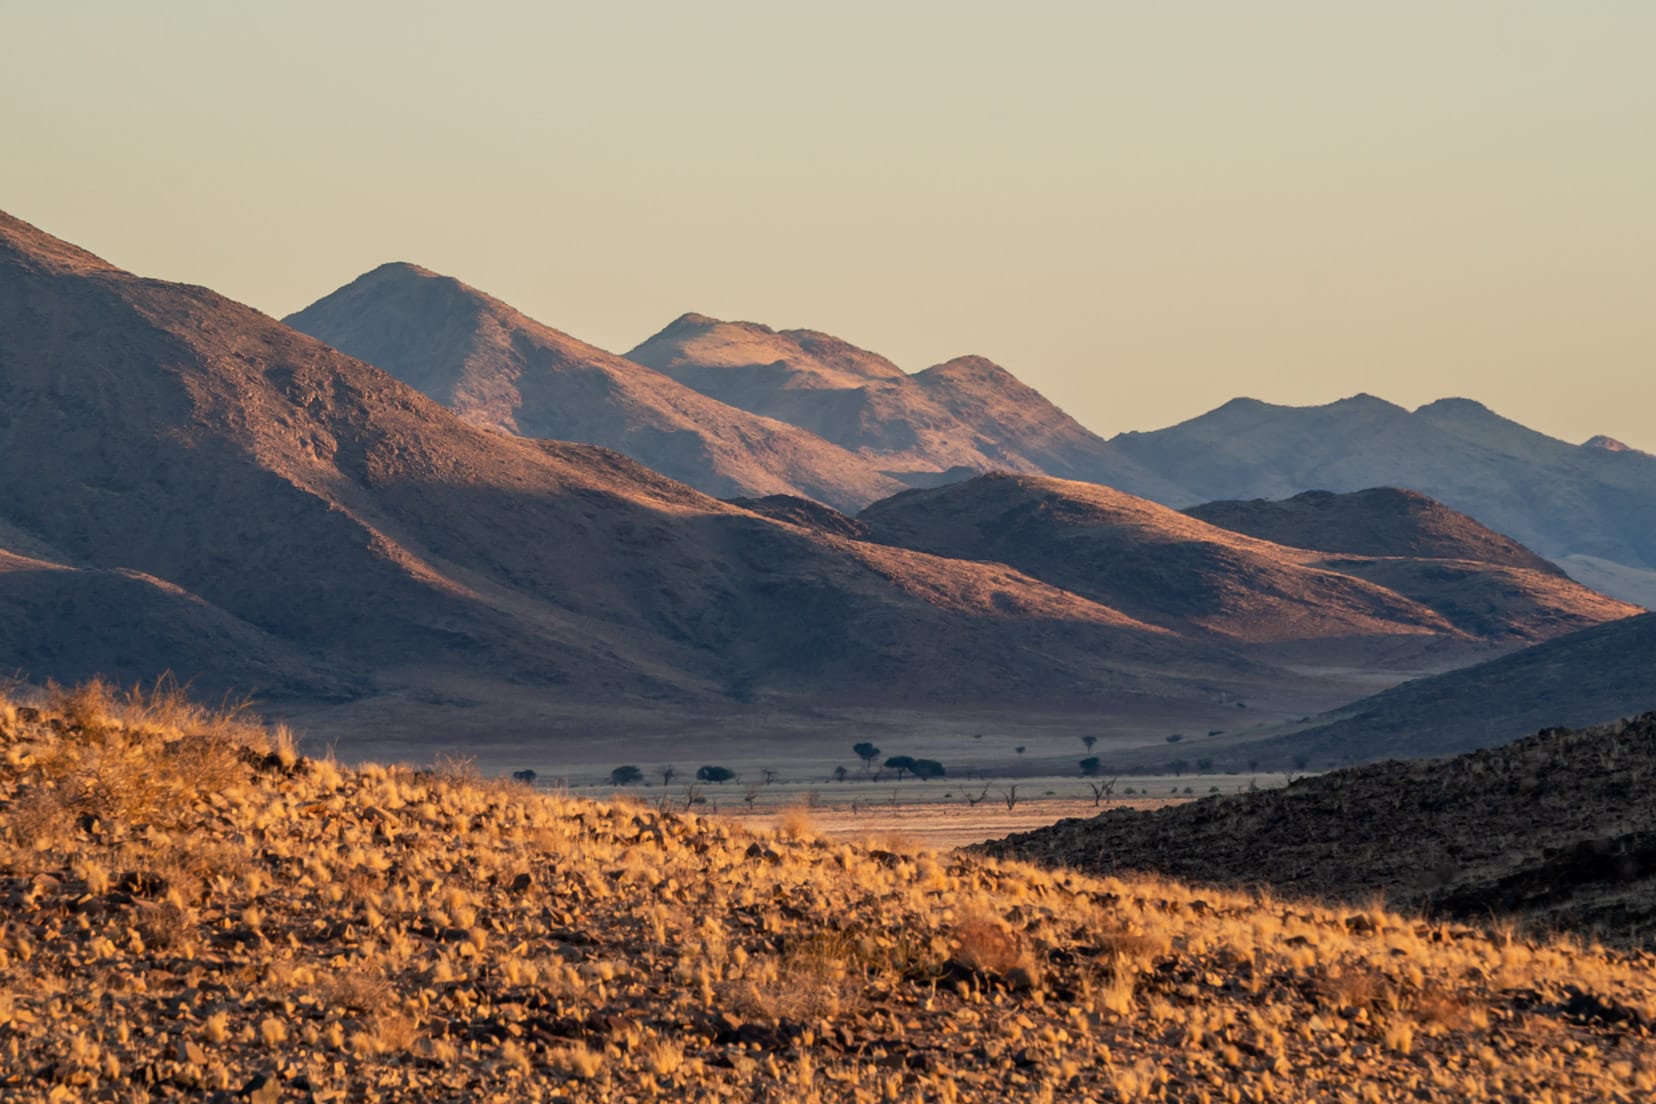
(867, 752)
(715, 774)
(926, 768)
(626, 776)
(900, 763)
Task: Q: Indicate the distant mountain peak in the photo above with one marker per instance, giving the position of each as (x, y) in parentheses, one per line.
(1454, 405)
(1376, 521)
(1365, 401)
(692, 323)
(1606, 443)
(406, 268)
(1241, 402)
(1440, 575)
(1547, 494)
(967, 414)
(497, 367)
(969, 365)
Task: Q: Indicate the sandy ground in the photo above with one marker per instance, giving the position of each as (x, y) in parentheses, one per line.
(940, 825)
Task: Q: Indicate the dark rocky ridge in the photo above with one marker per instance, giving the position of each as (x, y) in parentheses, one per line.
(1585, 678)
(804, 513)
(1554, 831)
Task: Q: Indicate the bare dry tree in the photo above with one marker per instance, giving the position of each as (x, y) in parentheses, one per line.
(1101, 790)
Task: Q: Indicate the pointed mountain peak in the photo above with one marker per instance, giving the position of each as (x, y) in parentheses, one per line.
(691, 325)
(404, 303)
(405, 275)
(963, 367)
(495, 366)
(391, 270)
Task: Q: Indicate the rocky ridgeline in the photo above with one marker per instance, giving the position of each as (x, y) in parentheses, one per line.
(192, 910)
(1552, 832)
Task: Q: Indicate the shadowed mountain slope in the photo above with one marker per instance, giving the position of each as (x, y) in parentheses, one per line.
(1180, 572)
(1588, 677)
(1380, 521)
(77, 623)
(1486, 584)
(968, 414)
(316, 501)
(498, 368)
(804, 513)
(1554, 831)
(1561, 500)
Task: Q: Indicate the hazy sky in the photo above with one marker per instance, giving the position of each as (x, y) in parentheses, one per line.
(1142, 209)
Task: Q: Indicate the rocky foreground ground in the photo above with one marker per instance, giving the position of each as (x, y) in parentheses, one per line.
(193, 910)
(1556, 832)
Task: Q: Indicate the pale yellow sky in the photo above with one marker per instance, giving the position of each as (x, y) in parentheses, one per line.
(1143, 209)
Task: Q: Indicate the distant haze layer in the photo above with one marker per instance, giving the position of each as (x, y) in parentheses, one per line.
(1140, 210)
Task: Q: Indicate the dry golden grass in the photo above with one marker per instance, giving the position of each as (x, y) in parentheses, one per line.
(190, 906)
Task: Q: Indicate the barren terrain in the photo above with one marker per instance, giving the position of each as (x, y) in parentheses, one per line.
(194, 909)
(1553, 832)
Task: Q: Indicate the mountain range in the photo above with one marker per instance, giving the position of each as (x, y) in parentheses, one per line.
(236, 501)
(495, 367)
(961, 417)
(1184, 574)
(804, 413)
(1590, 508)
(342, 535)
